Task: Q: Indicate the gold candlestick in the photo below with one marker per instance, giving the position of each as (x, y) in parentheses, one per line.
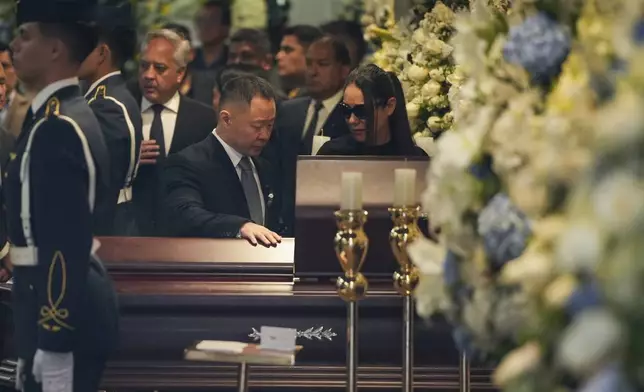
(351, 245)
(404, 232)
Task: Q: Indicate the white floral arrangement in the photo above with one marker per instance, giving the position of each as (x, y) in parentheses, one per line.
(524, 132)
(587, 320)
(421, 58)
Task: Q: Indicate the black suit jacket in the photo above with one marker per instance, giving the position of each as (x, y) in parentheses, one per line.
(291, 118)
(195, 121)
(120, 118)
(204, 196)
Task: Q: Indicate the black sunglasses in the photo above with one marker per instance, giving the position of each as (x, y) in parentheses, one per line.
(360, 111)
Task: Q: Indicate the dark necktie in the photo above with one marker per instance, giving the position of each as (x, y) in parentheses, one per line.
(251, 191)
(312, 128)
(156, 130)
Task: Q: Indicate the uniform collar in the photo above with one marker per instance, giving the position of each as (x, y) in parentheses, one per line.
(99, 81)
(172, 104)
(41, 98)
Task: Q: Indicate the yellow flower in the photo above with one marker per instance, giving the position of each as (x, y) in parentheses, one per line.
(557, 293)
(517, 363)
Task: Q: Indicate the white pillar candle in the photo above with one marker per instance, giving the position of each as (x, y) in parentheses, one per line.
(405, 188)
(351, 191)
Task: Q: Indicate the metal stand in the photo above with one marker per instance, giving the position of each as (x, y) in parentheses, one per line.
(351, 245)
(408, 343)
(404, 232)
(464, 373)
(242, 383)
(352, 349)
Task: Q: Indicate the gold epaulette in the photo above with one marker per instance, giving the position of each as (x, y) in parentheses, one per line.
(52, 316)
(101, 92)
(53, 107)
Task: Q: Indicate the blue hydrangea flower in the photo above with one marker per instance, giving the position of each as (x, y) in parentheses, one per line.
(450, 269)
(609, 379)
(586, 296)
(482, 170)
(464, 341)
(638, 31)
(505, 230)
(540, 45)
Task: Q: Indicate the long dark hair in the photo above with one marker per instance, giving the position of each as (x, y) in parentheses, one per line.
(377, 87)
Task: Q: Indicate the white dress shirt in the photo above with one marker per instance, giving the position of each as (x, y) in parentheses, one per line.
(235, 158)
(328, 105)
(168, 119)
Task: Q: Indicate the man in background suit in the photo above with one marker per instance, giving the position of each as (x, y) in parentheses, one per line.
(171, 122)
(116, 110)
(300, 119)
(291, 58)
(220, 187)
(17, 102)
(7, 140)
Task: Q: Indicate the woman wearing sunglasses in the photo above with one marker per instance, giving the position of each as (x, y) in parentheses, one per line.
(374, 107)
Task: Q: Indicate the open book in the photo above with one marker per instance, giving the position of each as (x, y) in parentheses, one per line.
(238, 352)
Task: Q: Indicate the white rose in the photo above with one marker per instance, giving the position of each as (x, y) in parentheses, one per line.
(435, 47)
(431, 89)
(437, 74)
(413, 110)
(592, 338)
(417, 73)
(419, 36)
(434, 123)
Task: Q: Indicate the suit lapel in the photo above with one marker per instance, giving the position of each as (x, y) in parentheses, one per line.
(182, 125)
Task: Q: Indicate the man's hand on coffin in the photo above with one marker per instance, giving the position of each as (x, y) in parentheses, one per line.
(5, 269)
(257, 234)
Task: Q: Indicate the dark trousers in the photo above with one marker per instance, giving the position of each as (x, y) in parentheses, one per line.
(125, 222)
(87, 375)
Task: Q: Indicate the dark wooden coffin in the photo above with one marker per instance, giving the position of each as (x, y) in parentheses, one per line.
(174, 292)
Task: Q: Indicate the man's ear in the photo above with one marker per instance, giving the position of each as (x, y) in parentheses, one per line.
(181, 73)
(268, 62)
(225, 118)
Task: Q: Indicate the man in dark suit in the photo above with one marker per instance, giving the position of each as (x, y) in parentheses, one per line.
(116, 110)
(300, 120)
(64, 305)
(171, 122)
(220, 187)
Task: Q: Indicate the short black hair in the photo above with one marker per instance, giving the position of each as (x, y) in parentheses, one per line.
(231, 71)
(122, 43)
(182, 30)
(80, 39)
(305, 34)
(224, 6)
(256, 38)
(350, 30)
(244, 88)
(4, 47)
(340, 49)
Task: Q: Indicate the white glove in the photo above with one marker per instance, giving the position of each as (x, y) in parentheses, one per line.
(55, 371)
(20, 371)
